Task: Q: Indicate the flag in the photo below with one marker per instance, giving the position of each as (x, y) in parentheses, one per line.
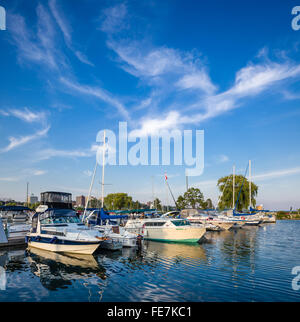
(166, 177)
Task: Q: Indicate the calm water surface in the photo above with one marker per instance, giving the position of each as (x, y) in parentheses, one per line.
(252, 264)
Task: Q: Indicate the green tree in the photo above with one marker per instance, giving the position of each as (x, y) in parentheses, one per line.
(11, 204)
(94, 203)
(33, 206)
(157, 204)
(193, 198)
(181, 202)
(118, 201)
(225, 185)
(208, 204)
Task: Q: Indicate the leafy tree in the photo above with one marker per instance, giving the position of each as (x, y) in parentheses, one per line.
(94, 203)
(225, 186)
(33, 206)
(181, 202)
(118, 201)
(193, 198)
(136, 205)
(11, 204)
(208, 204)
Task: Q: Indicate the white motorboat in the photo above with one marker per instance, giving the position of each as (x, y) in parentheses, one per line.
(118, 234)
(166, 229)
(15, 214)
(223, 222)
(106, 225)
(60, 230)
(13, 234)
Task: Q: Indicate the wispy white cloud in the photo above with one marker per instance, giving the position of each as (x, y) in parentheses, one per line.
(9, 179)
(98, 93)
(38, 172)
(152, 126)
(25, 115)
(289, 95)
(113, 18)
(277, 174)
(88, 173)
(222, 158)
(163, 65)
(17, 142)
(82, 57)
(198, 80)
(62, 23)
(66, 30)
(39, 47)
(51, 153)
(253, 79)
(169, 69)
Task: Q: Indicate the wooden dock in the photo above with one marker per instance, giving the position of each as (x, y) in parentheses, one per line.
(14, 242)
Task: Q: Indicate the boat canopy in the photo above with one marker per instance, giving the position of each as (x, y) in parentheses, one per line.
(103, 215)
(130, 211)
(14, 208)
(59, 216)
(243, 214)
(252, 209)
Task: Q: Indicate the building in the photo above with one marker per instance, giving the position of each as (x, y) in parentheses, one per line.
(80, 201)
(32, 199)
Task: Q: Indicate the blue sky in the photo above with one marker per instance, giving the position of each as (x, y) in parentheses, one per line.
(72, 68)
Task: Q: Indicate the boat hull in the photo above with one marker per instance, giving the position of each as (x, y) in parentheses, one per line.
(224, 225)
(179, 235)
(76, 248)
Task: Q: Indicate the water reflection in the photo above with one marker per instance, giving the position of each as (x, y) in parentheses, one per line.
(176, 251)
(56, 270)
(252, 264)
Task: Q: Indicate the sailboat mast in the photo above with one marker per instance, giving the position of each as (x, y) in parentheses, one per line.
(103, 164)
(250, 199)
(90, 191)
(233, 186)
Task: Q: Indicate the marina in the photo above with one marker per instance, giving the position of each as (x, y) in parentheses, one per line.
(149, 153)
(240, 265)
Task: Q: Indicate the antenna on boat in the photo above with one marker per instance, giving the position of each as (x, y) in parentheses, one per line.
(233, 186)
(27, 195)
(103, 164)
(152, 182)
(250, 199)
(187, 182)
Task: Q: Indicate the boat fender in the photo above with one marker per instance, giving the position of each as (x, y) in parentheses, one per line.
(54, 240)
(243, 218)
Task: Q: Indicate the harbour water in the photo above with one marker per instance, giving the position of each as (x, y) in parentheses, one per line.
(251, 264)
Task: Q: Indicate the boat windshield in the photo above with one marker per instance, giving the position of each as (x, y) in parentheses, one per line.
(181, 222)
(59, 216)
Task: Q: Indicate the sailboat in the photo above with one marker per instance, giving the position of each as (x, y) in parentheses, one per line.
(249, 219)
(116, 237)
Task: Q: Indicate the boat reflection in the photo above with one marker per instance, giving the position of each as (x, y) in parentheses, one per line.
(176, 251)
(58, 270)
(238, 249)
